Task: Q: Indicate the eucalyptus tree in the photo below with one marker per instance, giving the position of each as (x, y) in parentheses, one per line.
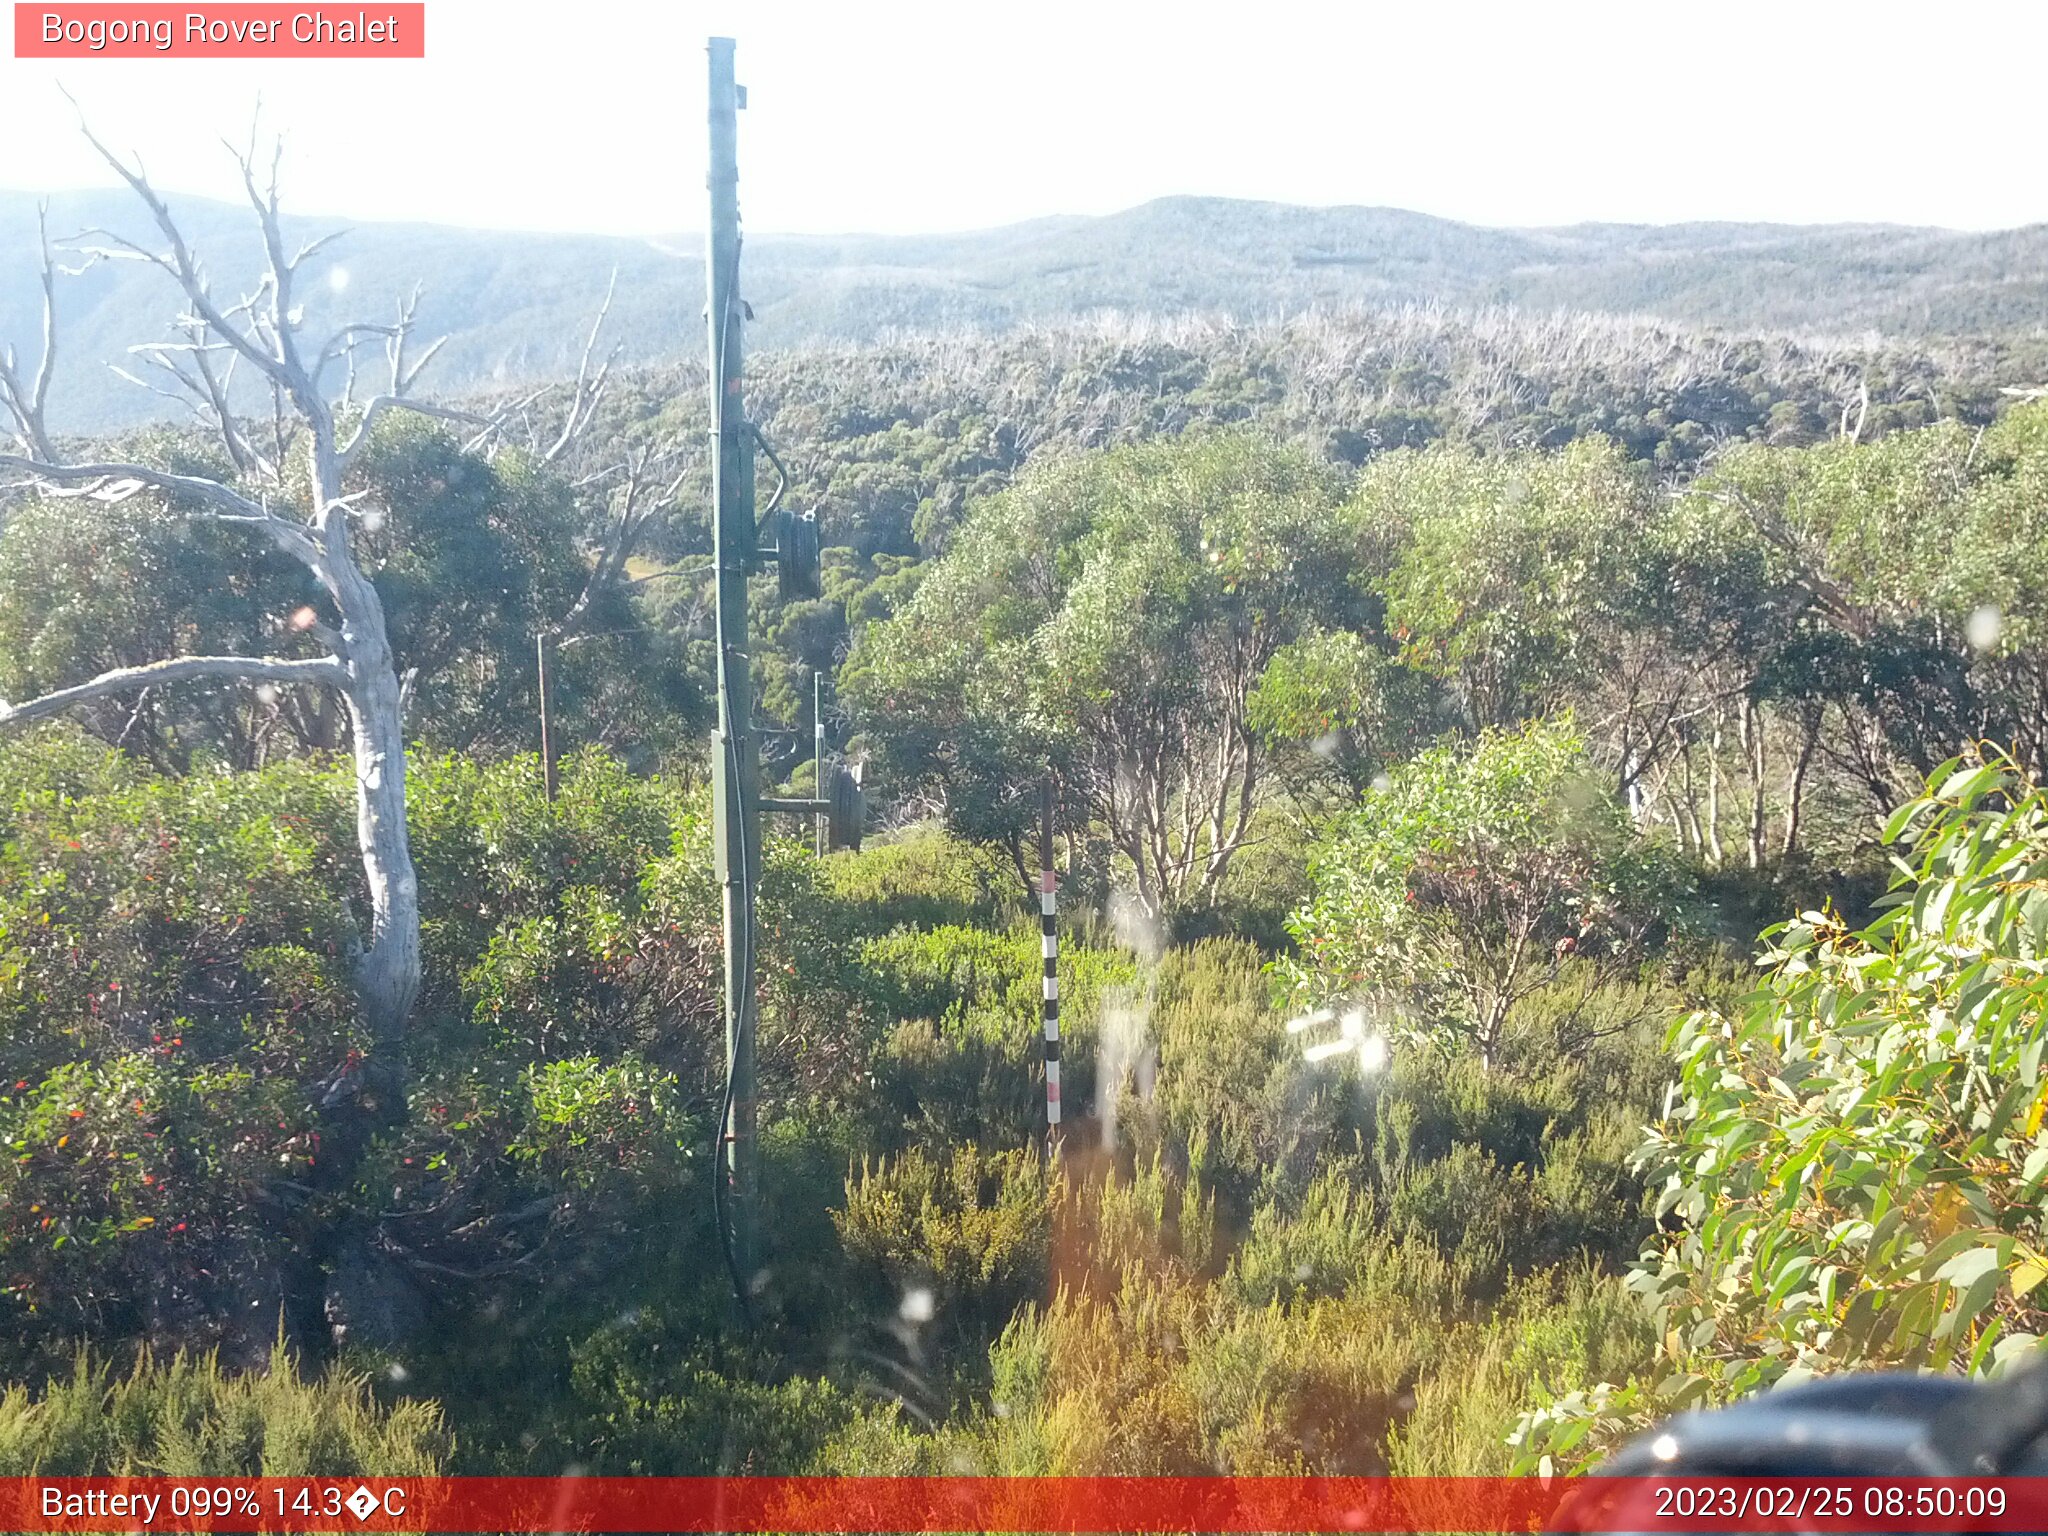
(1920, 561)
(1110, 617)
(1510, 576)
(1849, 1166)
(1468, 880)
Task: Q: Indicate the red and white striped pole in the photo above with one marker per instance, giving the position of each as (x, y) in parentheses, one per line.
(1049, 943)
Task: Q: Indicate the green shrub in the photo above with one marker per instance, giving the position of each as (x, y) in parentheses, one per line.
(1336, 1244)
(922, 879)
(1891, 1080)
(926, 973)
(175, 986)
(189, 1417)
(1220, 1105)
(129, 1199)
(974, 1075)
(1553, 1335)
(648, 1404)
(1162, 1377)
(973, 1233)
(1856, 1154)
(960, 1058)
(1477, 875)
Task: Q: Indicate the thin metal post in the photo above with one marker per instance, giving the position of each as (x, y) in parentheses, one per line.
(548, 782)
(818, 752)
(1049, 944)
(736, 754)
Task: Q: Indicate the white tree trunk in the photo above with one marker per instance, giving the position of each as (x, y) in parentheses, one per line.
(361, 666)
(388, 972)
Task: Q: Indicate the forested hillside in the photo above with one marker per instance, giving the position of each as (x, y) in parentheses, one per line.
(1439, 704)
(515, 305)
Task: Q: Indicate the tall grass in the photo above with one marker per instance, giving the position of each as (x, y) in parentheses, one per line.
(189, 1417)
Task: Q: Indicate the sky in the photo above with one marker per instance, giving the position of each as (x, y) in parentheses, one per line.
(587, 115)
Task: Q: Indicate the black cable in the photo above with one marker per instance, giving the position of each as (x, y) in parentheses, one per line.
(781, 472)
(721, 1217)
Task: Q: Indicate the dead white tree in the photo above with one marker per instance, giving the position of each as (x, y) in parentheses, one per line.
(620, 490)
(27, 397)
(634, 491)
(306, 516)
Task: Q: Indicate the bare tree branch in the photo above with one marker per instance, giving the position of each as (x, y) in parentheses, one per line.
(204, 391)
(314, 246)
(180, 263)
(377, 405)
(410, 376)
(130, 477)
(347, 339)
(117, 482)
(667, 575)
(585, 393)
(28, 404)
(634, 507)
(404, 375)
(326, 670)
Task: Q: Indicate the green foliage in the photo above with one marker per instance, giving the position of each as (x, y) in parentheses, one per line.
(960, 1060)
(472, 561)
(190, 1417)
(472, 558)
(172, 973)
(1507, 572)
(1142, 1369)
(592, 1124)
(1325, 682)
(1891, 1078)
(557, 1113)
(1110, 614)
(644, 1412)
(1925, 549)
(173, 989)
(1548, 1340)
(923, 879)
(1336, 1242)
(91, 588)
(1211, 1016)
(1855, 1153)
(961, 1243)
(1474, 878)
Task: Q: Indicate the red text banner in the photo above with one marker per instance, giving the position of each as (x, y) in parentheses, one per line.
(220, 31)
(1049, 1504)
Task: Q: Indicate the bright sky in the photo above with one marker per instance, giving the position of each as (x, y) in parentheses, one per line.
(588, 114)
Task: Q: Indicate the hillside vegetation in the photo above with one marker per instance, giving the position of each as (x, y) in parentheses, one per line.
(1552, 820)
(516, 305)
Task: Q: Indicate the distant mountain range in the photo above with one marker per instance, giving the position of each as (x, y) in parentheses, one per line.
(516, 305)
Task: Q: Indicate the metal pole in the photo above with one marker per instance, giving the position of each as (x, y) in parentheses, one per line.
(818, 752)
(736, 754)
(1049, 944)
(547, 723)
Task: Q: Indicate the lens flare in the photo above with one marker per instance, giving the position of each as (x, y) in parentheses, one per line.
(918, 1305)
(1355, 1037)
